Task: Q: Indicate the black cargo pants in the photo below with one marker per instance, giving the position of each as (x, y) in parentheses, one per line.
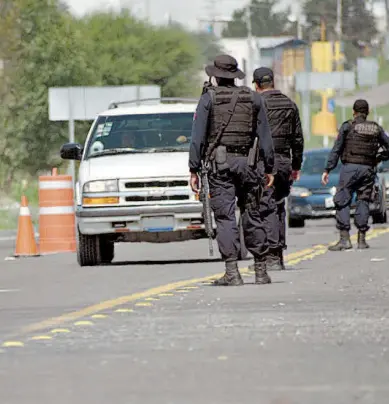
(273, 204)
(246, 184)
(354, 178)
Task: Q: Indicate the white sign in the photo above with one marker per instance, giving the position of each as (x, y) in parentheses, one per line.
(84, 103)
(313, 81)
(367, 72)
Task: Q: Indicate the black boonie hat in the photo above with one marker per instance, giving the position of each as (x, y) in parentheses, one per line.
(263, 75)
(361, 106)
(226, 67)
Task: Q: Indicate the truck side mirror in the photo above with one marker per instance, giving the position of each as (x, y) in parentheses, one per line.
(71, 151)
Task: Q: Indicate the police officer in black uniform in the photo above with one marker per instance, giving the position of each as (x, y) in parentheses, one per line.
(284, 120)
(232, 177)
(357, 145)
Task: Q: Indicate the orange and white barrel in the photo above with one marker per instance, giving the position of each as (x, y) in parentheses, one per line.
(56, 214)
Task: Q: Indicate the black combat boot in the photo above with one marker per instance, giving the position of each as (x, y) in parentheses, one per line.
(362, 245)
(343, 244)
(232, 276)
(261, 276)
(273, 260)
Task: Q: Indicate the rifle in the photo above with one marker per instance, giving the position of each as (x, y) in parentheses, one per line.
(206, 86)
(253, 153)
(205, 198)
(205, 166)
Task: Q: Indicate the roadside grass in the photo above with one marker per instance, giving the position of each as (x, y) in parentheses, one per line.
(9, 204)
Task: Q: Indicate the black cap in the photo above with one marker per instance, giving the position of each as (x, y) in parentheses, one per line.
(263, 75)
(225, 66)
(361, 106)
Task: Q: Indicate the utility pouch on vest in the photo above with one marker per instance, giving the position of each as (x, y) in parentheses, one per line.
(221, 158)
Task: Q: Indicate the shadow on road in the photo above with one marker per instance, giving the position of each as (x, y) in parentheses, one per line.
(167, 262)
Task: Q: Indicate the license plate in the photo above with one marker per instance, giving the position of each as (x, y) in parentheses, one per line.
(329, 202)
(155, 224)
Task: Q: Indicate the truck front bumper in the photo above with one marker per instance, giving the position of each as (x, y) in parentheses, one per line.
(139, 219)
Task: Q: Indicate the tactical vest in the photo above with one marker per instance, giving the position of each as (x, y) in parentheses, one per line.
(361, 143)
(280, 114)
(240, 129)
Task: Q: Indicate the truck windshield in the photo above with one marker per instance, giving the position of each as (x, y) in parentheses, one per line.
(148, 133)
(314, 164)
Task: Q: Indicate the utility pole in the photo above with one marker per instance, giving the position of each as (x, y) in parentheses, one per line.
(339, 31)
(249, 43)
(339, 12)
(147, 9)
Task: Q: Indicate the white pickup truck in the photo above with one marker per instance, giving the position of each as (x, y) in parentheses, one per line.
(133, 179)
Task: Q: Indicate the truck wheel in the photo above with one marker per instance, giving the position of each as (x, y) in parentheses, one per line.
(107, 251)
(296, 223)
(243, 250)
(380, 218)
(88, 250)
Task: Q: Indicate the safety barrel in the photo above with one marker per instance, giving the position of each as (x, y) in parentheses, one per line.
(56, 214)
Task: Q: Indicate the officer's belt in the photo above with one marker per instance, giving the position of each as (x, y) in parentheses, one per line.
(238, 150)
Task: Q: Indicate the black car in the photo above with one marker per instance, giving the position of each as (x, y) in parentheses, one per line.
(309, 199)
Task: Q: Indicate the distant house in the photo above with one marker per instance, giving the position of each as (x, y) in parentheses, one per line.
(284, 54)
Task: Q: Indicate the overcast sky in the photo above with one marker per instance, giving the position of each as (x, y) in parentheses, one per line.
(184, 11)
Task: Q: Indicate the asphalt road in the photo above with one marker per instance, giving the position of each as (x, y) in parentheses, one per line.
(149, 328)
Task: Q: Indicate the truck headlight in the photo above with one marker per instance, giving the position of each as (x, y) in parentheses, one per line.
(300, 192)
(101, 186)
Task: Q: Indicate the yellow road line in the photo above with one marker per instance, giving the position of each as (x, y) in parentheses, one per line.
(12, 344)
(143, 304)
(81, 323)
(60, 331)
(163, 290)
(97, 316)
(41, 338)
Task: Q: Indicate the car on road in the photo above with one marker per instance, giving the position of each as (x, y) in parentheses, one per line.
(133, 179)
(309, 199)
(383, 175)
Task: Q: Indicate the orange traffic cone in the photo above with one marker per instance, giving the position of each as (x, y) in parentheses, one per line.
(25, 240)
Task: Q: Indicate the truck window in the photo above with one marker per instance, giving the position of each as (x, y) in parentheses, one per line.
(152, 132)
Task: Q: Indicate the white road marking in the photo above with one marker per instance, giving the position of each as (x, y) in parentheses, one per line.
(9, 290)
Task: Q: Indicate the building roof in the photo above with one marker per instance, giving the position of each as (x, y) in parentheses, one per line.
(265, 42)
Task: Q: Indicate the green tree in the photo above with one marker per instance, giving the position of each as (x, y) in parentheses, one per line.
(124, 51)
(44, 46)
(45, 51)
(358, 23)
(264, 20)
(209, 47)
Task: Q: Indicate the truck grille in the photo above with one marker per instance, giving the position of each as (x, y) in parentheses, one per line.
(139, 191)
(156, 184)
(157, 198)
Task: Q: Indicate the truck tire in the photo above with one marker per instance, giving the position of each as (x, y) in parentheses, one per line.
(107, 251)
(380, 218)
(296, 223)
(88, 250)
